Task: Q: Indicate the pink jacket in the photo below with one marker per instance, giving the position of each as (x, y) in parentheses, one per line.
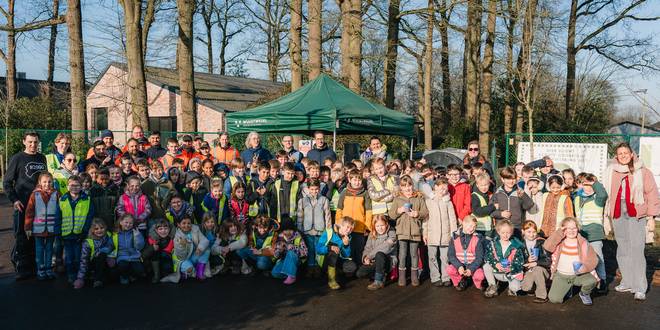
(651, 205)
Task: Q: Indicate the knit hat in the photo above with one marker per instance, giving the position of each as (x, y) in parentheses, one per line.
(220, 167)
(205, 145)
(107, 133)
(190, 176)
(186, 138)
(143, 140)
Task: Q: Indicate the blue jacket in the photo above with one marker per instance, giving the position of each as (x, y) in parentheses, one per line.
(213, 205)
(129, 245)
(322, 247)
(227, 185)
(319, 155)
(263, 154)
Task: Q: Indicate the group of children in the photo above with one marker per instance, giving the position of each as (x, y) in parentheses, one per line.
(389, 221)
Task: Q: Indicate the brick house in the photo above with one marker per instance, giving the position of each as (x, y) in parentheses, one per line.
(108, 105)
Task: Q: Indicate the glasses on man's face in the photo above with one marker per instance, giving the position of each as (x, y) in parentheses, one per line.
(69, 160)
(453, 174)
(473, 149)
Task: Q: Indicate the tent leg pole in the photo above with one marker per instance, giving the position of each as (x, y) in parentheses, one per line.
(334, 140)
(411, 148)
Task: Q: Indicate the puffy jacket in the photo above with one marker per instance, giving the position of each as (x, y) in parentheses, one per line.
(357, 205)
(441, 222)
(248, 154)
(587, 255)
(129, 245)
(510, 201)
(385, 243)
(319, 155)
(313, 215)
(461, 197)
(407, 227)
(514, 253)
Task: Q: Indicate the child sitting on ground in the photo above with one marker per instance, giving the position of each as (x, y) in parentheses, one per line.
(95, 251)
(466, 255)
(128, 242)
(504, 260)
(379, 253)
(573, 262)
(436, 231)
(191, 251)
(231, 239)
(209, 228)
(334, 249)
(158, 250)
(260, 249)
(290, 250)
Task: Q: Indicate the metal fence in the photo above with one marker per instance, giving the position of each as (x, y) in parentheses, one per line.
(513, 139)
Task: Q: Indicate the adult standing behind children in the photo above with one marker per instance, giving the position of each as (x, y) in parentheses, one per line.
(320, 151)
(223, 152)
(294, 155)
(61, 145)
(376, 150)
(19, 182)
(255, 152)
(474, 156)
(632, 205)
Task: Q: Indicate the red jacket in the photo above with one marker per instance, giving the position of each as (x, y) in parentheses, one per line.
(461, 197)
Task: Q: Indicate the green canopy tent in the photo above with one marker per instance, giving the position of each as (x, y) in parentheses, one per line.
(322, 105)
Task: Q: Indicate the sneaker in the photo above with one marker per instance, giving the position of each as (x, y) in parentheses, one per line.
(446, 284)
(375, 285)
(586, 299)
(124, 280)
(511, 293)
(640, 296)
(98, 284)
(246, 269)
(622, 288)
(540, 300)
(491, 291)
(41, 275)
(437, 284)
(289, 280)
(51, 275)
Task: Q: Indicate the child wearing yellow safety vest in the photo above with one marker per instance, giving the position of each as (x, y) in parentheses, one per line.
(382, 187)
(128, 242)
(313, 219)
(43, 221)
(290, 250)
(259, 253)
(258, 191)
(237, 175)
(194, 194)
(284, 194)
(216, 202)
(77, 212)
(95, 251)
(481, 208)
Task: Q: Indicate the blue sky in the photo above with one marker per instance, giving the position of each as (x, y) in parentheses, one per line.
(32, 51)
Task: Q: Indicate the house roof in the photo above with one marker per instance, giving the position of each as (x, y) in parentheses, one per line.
(218, 92)
(32, 88)
(653, 127)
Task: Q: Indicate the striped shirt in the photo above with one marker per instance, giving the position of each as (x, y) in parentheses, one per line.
(569, 254)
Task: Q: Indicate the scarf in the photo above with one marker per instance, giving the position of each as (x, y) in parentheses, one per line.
(634, 189)
(549, 222)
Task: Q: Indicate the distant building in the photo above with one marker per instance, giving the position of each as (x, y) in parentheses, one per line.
(108, 105)
(633, 128)
(33, 88)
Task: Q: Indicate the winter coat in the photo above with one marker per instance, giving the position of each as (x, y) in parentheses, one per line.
(441, 222)
(543, 259)
(381, 193)
(586, 253)
(514, 253)
(313, 215)
(102, 245)
(105, 201)
(357, 205)
(55, 228)
(174, 217)
(385, 243)
(408, 228)
(510, 201)
(252, 196)
(129, 245)
(322, 246)
(644, 189)
(234, 243)
(591, 230)
(196, 199)
(215, 205)
(284, 245)
(137, 205)
(368, 155)
(159, 191)
(319, 155)
(463, 239)
(183, 250)
(461, 197)
(248, 154)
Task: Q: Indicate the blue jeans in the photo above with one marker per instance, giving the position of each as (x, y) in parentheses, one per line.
(287, 266)
(600, 268)
(310, 242)
(44, 251)
(195, 259)
(263, 262)
(72, 249)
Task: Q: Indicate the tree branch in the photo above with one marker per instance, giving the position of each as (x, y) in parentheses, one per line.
(34, 25)
(621, 16)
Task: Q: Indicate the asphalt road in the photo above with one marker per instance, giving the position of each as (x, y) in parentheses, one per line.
(230, 302)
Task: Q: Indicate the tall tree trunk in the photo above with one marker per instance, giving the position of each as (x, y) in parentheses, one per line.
(345, 43)
(444, 64)
(487, 79)
(512, 8)
(76, 66)
(355, 46)
(428, 72)
(147, 21)
(207, 15)
(523, 62)
(315, 9)
(185, 64)
(295, 43)
(393, 21)
(10, 58)
(135, 62)
(473, 30)
(52, 43)
(419, 60)
(570, 62)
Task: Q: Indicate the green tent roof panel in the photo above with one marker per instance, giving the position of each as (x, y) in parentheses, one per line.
(325, 105)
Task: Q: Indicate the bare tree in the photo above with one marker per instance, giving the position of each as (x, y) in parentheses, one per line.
(9, 55)
(626, 50)
(185, 65)
(232, 21)
(50, 76)
(393, 21)
(428, 71)
(444, 60)
(355, 46)
(295, 43)
(270, 18)
(472, 63)
(76, 66)
(315, 22)
(345, 44)
(487, 79)
(512, 11)
(207, 10)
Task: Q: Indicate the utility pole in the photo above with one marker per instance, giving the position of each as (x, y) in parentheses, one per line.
(644, 105)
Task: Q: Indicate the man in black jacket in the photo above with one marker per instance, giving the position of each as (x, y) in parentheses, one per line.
(19, 182)
(320, 150)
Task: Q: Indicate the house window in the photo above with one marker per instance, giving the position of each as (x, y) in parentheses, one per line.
(100, 118)
(166, 125)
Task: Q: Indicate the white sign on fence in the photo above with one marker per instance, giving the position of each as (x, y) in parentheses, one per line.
(649, 153)
(581, 157)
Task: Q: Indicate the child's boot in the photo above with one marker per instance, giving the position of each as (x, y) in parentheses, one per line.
(332, 278)
(290, 280)
(156, 268)
(402, 277)
(414, 278)
(199, 270)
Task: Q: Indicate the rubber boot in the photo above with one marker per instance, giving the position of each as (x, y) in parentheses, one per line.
(402, 277)
(199, 270)
(332, 278)
(155, 265)
(414, 278)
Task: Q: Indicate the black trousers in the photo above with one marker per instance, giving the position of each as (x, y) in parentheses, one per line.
(23, 252)
(381, 265)
(100, 267)
(333, 260)
(128, 268)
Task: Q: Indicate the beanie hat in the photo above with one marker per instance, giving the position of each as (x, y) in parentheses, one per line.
(107, 133)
